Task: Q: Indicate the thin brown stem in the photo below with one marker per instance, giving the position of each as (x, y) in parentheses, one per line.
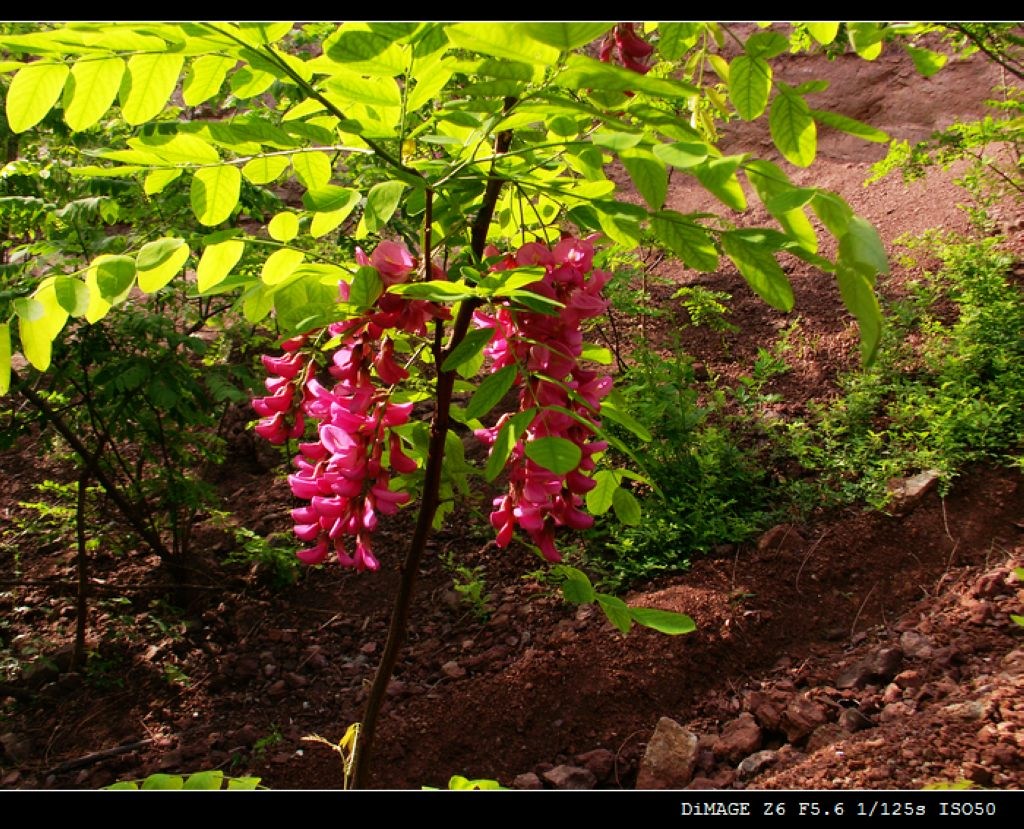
(82, 599)
(431, 490)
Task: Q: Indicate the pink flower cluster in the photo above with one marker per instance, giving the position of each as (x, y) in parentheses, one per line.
(345, 474)
(547, 351)
(632, 50)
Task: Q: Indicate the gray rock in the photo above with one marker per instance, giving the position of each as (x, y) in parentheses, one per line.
(600, 762)
(670, 757)
(853, 719)
(42, 671)
(780, 537)
(885, 663)
(876, 669)
(767, 709)
(801, 717)
(17, 749)
(740, 738)
(453, 669)
(529, 780)
(908, 492)
(570, 777)
(825, 735)
(916, 645)
(755, 763)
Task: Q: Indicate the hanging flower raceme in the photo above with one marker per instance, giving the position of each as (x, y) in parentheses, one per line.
(631, 50)
(564, 396)
(345, 474)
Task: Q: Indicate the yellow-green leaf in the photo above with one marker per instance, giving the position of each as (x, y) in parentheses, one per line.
(381, 203)
(718, 175)
(72, 295)
(33, 92)
(5, 358)
(648, 173)
(92, 89)
(150, 82)
(565, 36)
(283, 227)
(266, 169)
(856, 290)
(750, 81)
(824, 33)
(157, 180)
(114, 276)
(215, 193)
(866, 38)
(326, 221)
(40, 320)
(159, 261)
(177, 148)
(758, 266)
(362, 89)
(793, 129)
(926, 62)
(280, 265)
(216, 263)
(503, 40)
(248, 82)
(313, 169)
(204, 79)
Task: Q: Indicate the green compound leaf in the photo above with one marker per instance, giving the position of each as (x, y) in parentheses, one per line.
(508, 436)
(663, 621)
(792, 128)
(91, 90)
(151, 79)
(850, 125)
(436, 290)
(926, 62)
(824, 33)
(627, 508)
(158, 782)
(365, 288)
(600, 498)
(616, 610)
(557, 455)
(756, 262)
(472, 344)
(490, 391)
(5, 358)
(565, 36)
(503, 40)
(72, 295)
(204, 780)
(688, 241)
(283, 227)
(216, 263)
(648, 173)
(750, 82)
(381, 203)
(215, 192)
(265, 170)
(577, 587)
(114, 275)
(205, 78)
(159, 261)
(280, 265)
(859, 296)
(33, 92)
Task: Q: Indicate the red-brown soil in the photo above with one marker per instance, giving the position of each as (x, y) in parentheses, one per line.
(541, 682)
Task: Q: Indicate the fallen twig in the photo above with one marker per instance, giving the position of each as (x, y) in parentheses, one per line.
(97, 756)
